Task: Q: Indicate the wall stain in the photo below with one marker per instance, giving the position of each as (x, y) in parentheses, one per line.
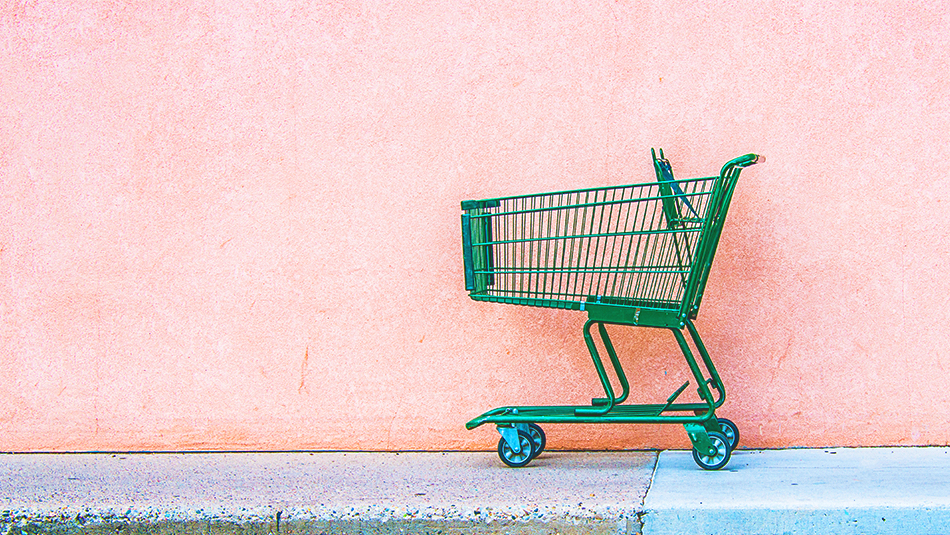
(303, 372)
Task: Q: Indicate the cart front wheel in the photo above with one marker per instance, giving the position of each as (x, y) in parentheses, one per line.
(717, 461)
(521, 458)
(537, 438)
(730, 431)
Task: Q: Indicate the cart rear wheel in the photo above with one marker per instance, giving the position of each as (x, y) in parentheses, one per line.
(537, 438)
(730, 431)
(521, 458)
(717, 461)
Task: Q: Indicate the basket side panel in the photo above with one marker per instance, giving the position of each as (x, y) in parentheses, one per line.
(608, 245)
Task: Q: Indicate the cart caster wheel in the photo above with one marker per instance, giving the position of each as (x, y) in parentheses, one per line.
(717, 461)
(537, 438)
(730, 431)
(523, 457)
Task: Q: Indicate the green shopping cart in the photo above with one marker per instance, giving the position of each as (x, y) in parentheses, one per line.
(636, 255)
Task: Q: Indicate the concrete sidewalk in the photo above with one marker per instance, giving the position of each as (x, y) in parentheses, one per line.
(888, 490)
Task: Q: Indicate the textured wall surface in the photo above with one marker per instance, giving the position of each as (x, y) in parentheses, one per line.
(235, 225)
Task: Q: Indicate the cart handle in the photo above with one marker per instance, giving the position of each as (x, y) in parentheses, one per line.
(745, 161)
(741, 162)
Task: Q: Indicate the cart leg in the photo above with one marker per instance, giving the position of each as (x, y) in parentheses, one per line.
(618, 369)
(608, 403)
(703, 389)
(716, 382)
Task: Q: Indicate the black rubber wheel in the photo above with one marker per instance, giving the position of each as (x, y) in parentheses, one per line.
(523, 457)
(717, 461)
(537, 438)
(730, 431)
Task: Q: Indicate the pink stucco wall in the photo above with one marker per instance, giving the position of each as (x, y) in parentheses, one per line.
(235, 225)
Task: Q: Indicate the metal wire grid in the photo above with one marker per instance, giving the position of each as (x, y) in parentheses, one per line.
(612, 245)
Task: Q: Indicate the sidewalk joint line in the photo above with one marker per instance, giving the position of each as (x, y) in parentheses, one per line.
(642, 512)
(656, 463)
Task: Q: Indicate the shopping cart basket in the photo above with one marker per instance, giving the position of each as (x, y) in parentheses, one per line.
(635, 255)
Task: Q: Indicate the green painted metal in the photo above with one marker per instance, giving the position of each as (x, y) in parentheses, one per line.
(636, 255)
(699, 436)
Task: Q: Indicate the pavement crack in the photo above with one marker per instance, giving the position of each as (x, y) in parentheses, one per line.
(656, 463)
(642, 513)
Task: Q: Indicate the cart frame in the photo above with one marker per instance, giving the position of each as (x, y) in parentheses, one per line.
(572, 250)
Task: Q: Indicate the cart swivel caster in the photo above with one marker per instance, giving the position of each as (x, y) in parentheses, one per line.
(709, 461)
(537, 438)
(520, 458)
(730, 431)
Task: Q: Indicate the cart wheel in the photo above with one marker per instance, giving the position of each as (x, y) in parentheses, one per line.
(537, 438)
(523, 457)
(730, 431)
(717, 461)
